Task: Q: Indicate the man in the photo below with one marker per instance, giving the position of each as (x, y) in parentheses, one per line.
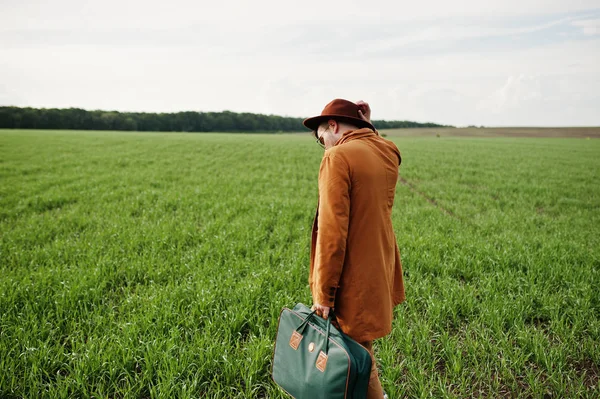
(355, 265)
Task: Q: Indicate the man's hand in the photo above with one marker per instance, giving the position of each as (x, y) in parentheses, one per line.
(321, 310)
(364, 111)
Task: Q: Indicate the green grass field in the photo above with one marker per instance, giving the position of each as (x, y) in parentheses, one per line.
(137, 265)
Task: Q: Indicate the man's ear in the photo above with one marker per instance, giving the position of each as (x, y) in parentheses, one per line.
(333, 125)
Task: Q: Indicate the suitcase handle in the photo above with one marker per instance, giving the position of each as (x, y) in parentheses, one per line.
(304, 323)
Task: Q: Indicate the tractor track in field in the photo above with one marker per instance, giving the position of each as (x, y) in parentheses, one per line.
(432, 201)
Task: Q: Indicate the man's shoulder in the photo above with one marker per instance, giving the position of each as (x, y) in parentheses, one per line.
(348, 147)
(351, 149)
(338, 152)
(356, 151)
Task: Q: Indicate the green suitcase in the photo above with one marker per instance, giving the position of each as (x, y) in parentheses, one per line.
(315, 360)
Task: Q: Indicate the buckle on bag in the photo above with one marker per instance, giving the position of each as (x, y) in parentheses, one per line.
(295, 340)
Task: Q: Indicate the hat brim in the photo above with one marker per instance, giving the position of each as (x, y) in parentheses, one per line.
(314, 122)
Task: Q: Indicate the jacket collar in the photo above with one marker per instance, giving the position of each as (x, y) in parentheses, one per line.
(366, 132)
(354, 135)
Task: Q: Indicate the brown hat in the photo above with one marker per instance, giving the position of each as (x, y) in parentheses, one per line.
(338, 109)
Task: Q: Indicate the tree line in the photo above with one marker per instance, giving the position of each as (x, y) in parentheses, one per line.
(226, 121)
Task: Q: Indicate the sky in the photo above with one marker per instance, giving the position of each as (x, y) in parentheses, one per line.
(461, 62)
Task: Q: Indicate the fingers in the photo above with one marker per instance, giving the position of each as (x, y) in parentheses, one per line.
(363, 105)
(321, 311)
(324, 313)
(364, 110)
(362, 116)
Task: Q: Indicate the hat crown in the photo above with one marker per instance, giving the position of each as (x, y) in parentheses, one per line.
(341, 107)
(340, 110)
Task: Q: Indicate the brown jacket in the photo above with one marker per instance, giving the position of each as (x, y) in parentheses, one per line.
(355, 263)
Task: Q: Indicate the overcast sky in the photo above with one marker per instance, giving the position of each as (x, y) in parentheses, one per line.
(461, 62)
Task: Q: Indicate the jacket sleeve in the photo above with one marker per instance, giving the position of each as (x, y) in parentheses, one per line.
(334, 212)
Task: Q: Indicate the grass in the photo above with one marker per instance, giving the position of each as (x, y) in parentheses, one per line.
(138, 265)
(512, 132)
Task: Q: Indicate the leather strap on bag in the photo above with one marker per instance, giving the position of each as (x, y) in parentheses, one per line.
(297, 335)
